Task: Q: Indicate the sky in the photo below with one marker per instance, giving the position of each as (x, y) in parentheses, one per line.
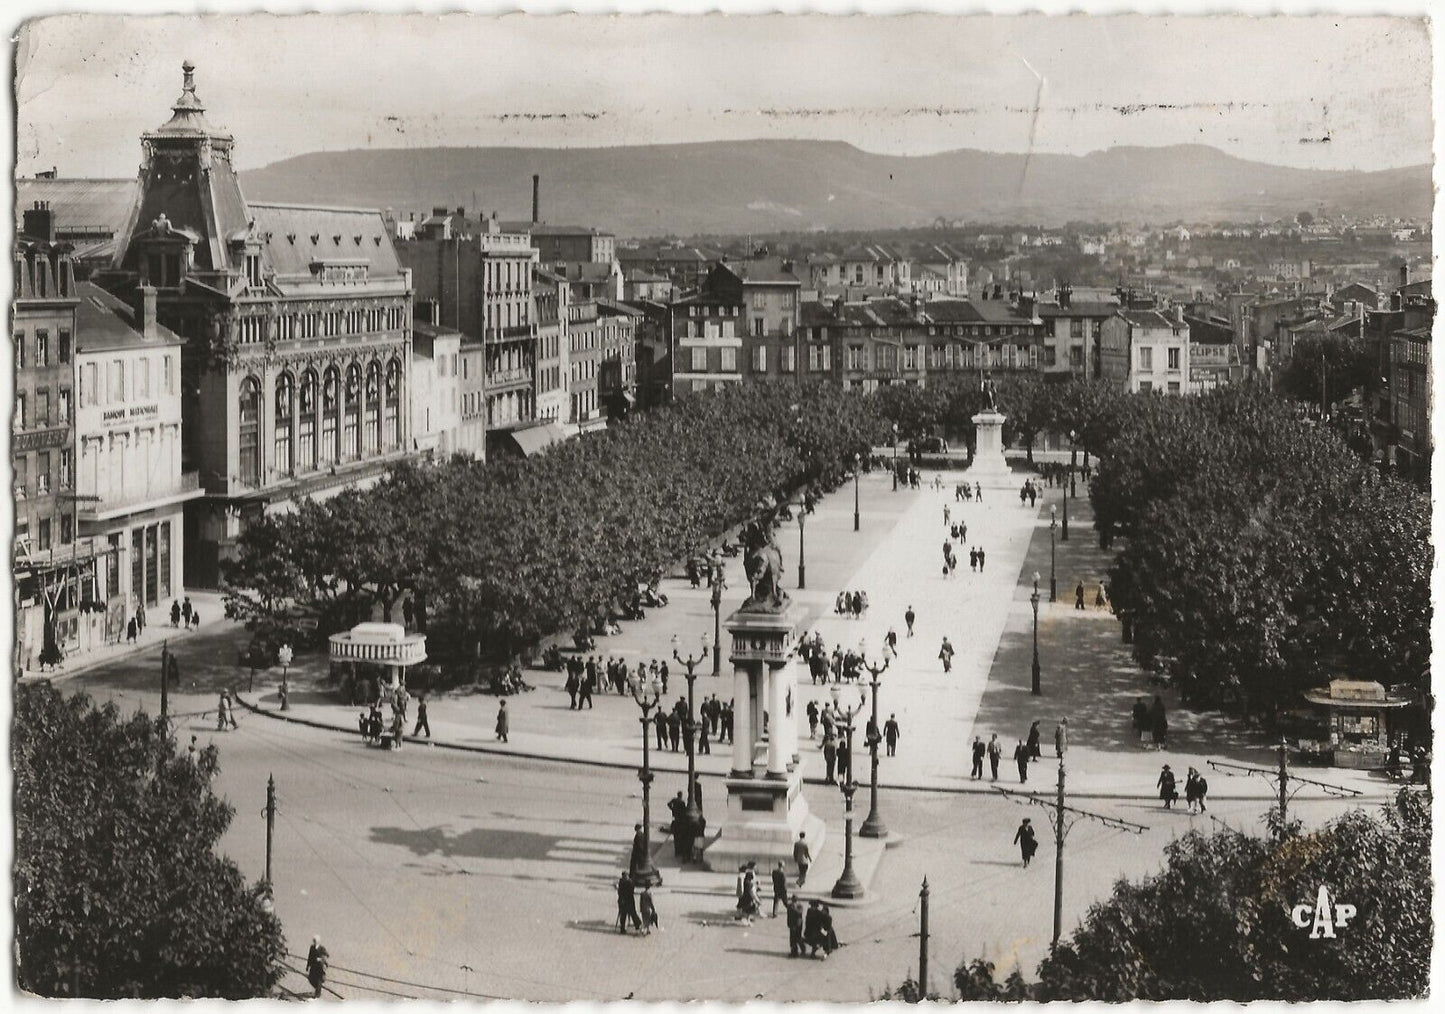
(1313, 92)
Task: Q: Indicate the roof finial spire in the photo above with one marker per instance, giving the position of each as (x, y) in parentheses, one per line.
(189, 69)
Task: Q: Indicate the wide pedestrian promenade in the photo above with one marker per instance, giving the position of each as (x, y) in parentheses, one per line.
(897, 559)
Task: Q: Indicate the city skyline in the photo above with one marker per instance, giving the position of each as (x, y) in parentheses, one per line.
(1030, 83)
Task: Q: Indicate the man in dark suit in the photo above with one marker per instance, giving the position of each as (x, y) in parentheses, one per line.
(890, 734)
(978, 751)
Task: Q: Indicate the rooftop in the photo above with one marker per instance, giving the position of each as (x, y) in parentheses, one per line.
(78, 205)
(104, 322)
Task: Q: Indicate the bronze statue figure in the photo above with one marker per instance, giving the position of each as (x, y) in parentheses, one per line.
(764, 568)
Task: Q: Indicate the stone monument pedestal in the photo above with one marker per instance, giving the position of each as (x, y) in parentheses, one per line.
(766, 809)
(989, 466)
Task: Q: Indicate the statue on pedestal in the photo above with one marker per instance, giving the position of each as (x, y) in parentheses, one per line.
(764, 568)
(990, 394)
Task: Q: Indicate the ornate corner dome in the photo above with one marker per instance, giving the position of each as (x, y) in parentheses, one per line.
(188, 114)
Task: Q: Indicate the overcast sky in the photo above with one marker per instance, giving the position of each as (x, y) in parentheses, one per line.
(1311, 92)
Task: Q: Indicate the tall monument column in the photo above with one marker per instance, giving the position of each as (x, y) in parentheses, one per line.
(742, 722)
(764, 815)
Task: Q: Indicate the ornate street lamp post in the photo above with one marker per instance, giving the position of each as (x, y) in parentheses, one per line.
(1073, 458)
(857, 466)
(1034, 598)
(848, 885)
(718, 584)
(284, 656)
(647, 697)
(873, 826)
(895, 457)
(1053, 576)
(691, 663)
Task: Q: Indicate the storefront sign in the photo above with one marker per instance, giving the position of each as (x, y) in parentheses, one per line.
(40, 440)
(121, 416)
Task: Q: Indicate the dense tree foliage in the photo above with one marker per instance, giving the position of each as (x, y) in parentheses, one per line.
(118, 889)
(1216, 923)
(1332, 367)
(508, 552)
(1263, 555)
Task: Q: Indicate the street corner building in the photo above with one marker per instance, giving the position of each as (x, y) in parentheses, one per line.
(296, 331)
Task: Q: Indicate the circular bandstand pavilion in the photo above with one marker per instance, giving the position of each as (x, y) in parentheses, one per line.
(387, 645)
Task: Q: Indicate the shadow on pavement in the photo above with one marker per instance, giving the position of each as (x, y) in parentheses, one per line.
(486, 843)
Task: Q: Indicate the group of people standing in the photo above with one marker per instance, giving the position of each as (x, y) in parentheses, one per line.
(854, 604)
(1195, 789)
(1151, 724)
(1028, 494)
(964, 493)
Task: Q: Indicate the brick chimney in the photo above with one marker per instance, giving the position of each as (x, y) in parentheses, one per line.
(40, 222)
(145, 311)
(536, 198)
(1404, 275)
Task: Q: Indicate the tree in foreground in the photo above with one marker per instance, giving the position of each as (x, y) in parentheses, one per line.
(118, 889)
(1218, 922)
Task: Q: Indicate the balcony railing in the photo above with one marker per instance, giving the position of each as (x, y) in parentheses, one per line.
(503, 378)
(498, 334)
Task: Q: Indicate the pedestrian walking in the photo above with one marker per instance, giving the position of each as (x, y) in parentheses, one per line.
(704, 746)
(795, 927)
(503, 722)
(173, 670)
(186, 611)
(945, 653)
(908, 619)
(812, 719)
(890, 734)
(422, 723)
(131, 630)
(1100, 600)
(317, 960)
(780, 888)
(1021, 758)
(830, 757)
(398, 730)
(1033, 742)
(648, 912)
(982, 559)
(995, 754)
(175, 613)
(973, 559)
(891, 640)
(1079, 596)
(1141, 719)
(749, 906)
(976, 771)
(1061, 737)
(626, 904)
(802, 857)
(1026, 841)
(224, 717)
(674, 731)
(978, 492)
(1158, 723)
(1167, 792)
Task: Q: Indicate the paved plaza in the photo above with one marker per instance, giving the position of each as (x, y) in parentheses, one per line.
(455, 871)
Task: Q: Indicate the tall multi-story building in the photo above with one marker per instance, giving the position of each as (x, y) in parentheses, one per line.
(551, 295)
(1072, 329)
(1402, 336)
(572, 243)
(131, 487)
(435, 398)
(479, 276)
(51, 580)
(297, 320)
(1145, 350)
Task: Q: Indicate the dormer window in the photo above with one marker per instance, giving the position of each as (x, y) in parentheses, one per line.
(253, 271)
(163, 269)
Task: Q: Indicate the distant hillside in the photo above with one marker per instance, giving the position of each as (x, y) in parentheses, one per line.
(745, 186)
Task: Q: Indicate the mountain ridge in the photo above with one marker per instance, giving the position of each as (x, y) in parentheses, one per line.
(770, 185)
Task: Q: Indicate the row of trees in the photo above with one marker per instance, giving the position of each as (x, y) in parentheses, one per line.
(1262, 555)
(119, 891)
(502, 554)
(1216, 923)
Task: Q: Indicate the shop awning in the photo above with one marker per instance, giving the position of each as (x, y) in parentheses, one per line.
(536, 439)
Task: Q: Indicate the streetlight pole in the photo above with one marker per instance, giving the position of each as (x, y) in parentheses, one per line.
(873, 826)
(857, 466)
(848, 885)
(284, 656)
(1064, 533)
(802, 560)
(1073, 460)
(691, 662)
(1034, 598)
(895, 457)
(718, 584)
(1053, 574)
(647, 698)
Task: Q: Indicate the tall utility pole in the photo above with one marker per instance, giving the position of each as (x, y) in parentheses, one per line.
(165, 660)
(1062, 816)
(1280, 774)
(270, 820)
(923, 940)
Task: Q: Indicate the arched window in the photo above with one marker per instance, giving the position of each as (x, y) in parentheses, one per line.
(306, 423)
(282, 460)
(372, 428)
(330, 415)
(393, 405)
(351, 428)
(250, 435)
